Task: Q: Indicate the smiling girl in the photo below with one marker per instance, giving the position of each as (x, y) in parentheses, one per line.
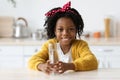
(62, 25)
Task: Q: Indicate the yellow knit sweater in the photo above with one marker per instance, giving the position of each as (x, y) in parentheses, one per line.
(83, 59)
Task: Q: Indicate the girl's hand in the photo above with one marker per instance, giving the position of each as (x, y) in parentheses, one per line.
(46, 67)
(61, 67)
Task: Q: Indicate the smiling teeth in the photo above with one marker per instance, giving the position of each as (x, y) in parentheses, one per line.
(65, 38)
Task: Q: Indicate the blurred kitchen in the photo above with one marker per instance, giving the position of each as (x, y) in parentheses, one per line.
(22, 32)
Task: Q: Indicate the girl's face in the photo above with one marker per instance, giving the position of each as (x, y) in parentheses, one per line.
(65, 31)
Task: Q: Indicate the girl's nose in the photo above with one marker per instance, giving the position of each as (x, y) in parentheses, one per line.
(66, 32)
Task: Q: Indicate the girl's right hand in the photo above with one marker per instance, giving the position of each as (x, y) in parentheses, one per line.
(45, 67)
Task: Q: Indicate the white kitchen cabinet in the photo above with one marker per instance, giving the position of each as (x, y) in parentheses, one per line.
(113, 61)
(107, 56)
(28, 52)
(16, 56)
(11, 56)
(11, 62)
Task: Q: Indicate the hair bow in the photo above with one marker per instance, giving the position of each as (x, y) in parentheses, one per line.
(65, 8)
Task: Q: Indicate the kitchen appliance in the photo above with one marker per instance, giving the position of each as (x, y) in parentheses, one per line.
(21, 29)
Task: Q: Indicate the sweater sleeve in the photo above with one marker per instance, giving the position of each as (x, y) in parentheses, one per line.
(40, 57)
(85, 59)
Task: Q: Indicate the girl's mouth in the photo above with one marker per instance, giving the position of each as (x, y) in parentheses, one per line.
(65, 39)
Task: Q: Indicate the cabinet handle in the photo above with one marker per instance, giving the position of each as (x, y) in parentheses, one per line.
(103, 64)
(0, 50)
(36, 50)
(106, 50)
(108, 63)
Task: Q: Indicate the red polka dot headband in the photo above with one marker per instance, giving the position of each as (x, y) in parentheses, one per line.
(66, 8)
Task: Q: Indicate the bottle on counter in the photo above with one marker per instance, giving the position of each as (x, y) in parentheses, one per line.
(107, 27)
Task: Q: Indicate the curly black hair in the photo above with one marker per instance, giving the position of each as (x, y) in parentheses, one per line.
(73, 14)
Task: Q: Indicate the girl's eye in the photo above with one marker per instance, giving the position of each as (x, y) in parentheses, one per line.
(72, 29)
(60, 30)
(69, 29)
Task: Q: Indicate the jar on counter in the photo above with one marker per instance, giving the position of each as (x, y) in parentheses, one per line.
(37, 35)
(97, 34)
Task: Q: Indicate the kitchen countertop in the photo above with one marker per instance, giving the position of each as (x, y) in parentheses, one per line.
(103, 41)
(29, 41)
(25, 74)
(20, 42)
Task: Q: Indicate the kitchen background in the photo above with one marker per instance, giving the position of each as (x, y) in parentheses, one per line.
(18, 18)
(93, 12)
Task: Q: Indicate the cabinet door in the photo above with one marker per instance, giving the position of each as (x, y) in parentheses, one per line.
(11, 62)
(26, 59)
(101, 61)
(11, 56)
(113, 61)
(11, 50)
(99, 53)
(28, 52)
(106, 56)
(105, 49)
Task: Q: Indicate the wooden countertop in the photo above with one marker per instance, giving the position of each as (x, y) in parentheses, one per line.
(25, 74)
(29, 41)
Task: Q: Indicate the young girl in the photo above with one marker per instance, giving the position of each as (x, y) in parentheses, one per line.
(62, 25)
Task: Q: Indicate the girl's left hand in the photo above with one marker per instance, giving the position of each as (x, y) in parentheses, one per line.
(60, 67)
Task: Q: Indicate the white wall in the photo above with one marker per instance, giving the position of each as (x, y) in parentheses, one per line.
(92, 11)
